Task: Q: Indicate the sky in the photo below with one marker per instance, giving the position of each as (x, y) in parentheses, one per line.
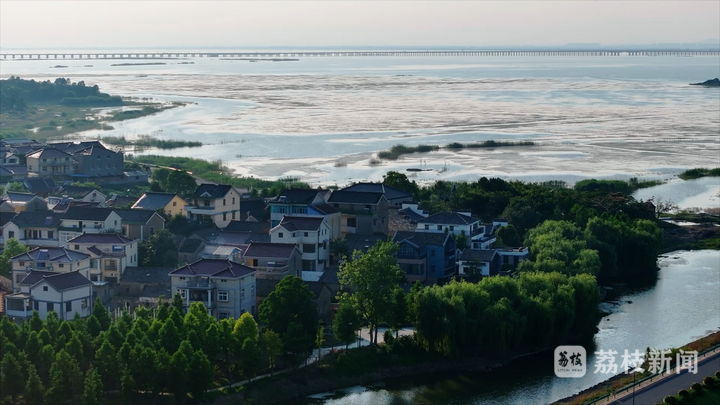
(97, 24)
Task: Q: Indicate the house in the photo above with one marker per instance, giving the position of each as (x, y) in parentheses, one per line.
(143, 285)
(51, 162)
(215, 203)
(512, 257)
(394, 196)
(120, 201)
(55, 259)
(110, 254)
(140, 224)
(362, 212)
(136, 176)
(94, 160)
(457, 223)
(14, 172)
(273, 260)
(322, 298)
(252, 209)
(258, 231)
(225, 252)
(426, 256)
(40, 186)
(25, 201)
(299, 202)
(190, 250)
(479, 263)
(312, 235)
(65, 293)
(78, 220)
(226, 288)
(34, 228)
(78, 193)
(5, 288)
(170, 203)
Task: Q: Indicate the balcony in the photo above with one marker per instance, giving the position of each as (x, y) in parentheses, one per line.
(191, 209)
(200, 284)
(201, 296)
(271, 269)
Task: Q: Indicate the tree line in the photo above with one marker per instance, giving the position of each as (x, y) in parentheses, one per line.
(17, 93)
(151, 351)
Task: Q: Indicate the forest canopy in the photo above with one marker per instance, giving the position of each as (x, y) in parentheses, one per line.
(17, 93)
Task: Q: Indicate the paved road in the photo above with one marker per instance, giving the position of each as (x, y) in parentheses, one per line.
(654, 394)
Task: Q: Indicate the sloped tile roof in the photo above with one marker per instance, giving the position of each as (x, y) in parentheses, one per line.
(153, 201)
(67, 281)
(147, 275)
(91, 214)
(212, 190)
(389, 192)
(452, 218)
(214, 267)
(324, 208)
(354, 197)
(421, 239)
(14, 196)
(53, 254)
(247, 226)
(40, 219)
(190, 245)
(301, 223)
(100, 238)
(276, 250)
(297, 196)
(34, 276)
(49, 153)
(477, 255)
(133, 216)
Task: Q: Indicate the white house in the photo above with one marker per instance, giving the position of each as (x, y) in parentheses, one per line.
(65, 293)
(476, 262)
(34, 228)
(55, 259)
(110, 254)
(312, 235)
(78, 220)
(458, 223)
(216, 203)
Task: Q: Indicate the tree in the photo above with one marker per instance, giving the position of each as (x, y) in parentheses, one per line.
(65, 379)
(11, 376)
(461, 240)
(180, 182)
(273, 347)
(106, 363)
(201, 374)
(12, 249)
(169, 336)
(298, 343)
(160, 175)
(127, 384)
(509, 236)
(374, 275)
(17, 187)
(398, 314)
(246, 328)
(251, 359)
(159, 250)
(101, 313)
(320, 339)
(34, 390)
(346, 323)
(93, 388)
(400, 182)
(291, 302)
(179, 372)
(178, 303)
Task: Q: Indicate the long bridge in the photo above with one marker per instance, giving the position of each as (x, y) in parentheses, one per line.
(305, 54)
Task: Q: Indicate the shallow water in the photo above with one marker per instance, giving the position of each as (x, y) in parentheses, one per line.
(680, 306)
(323, 118)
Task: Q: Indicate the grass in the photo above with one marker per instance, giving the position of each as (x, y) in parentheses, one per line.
(615, 186)
(146, 141)
(699, 172)
(398, 150)
(214, 171)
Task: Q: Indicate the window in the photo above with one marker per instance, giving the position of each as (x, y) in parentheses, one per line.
(22, 263)
(127, 289)
(439, 227)
(152, 230)
(174, 203)
(280, 235)
(224, 216)
(207, 203)
(452, 228)
(11, 234)
(182, 278)
(242, 293)
(19, 277)
(223, 296)
(222, 280)
(51, 234)
(233, 215)
(306, 234)
(308, 248)
(50, 306)
(183, 293)
(252, 290)
(68, 306)
(41, 264)
(233, 200)
(77, 247)
(61, 265)
(36, 306)
(224, 202)
(432, 268)
(432, 253)
(223, 315)
(44, 168)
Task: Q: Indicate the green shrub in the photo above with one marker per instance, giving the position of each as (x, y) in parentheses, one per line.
(697, 387)
(709, 382)
(684, 394)
(670, 400)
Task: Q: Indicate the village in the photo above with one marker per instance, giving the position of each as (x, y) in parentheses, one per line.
(84, 244)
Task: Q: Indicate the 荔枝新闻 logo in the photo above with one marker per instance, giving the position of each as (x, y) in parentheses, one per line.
(570, 361)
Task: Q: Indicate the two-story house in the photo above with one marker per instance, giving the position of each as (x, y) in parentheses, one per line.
(25, 201)
(78, 220)
(140, 224)
(95, 160)
(55, 259)
(170, 203)
(34, 228)
(226, 288)
(299, 202)
(362, 212)
(457, 223)
(312, 235)
(110, 254)
(215, 203)
(273, 260)
(477, 263)
(66, 294)
(394, 196)
(426, 254)
(51, 162)
(78, 193)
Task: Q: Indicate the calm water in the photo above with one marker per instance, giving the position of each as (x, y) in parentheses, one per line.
(322, 119)
(683, 304)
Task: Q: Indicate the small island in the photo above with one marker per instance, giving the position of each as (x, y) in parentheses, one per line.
(708, 83)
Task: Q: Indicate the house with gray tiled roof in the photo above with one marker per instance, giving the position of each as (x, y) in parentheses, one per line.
(78, 220)
(66, 294)
(273, 260)
(110, 254)
(394, 196)
(51, 162)
(361, 211)
(190, 250)
(305, 202)
(170, 203)
(215, 203)
(54, 259)
(226, 288)
(34, 228)
(143, 285)
(94, 160)
(458, 223)
(426, 256)
(140, 224)
(25, 201)
(312, 235)
(40, 186)
(479, 263)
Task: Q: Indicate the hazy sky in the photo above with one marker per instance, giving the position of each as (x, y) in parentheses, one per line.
(127, 24)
